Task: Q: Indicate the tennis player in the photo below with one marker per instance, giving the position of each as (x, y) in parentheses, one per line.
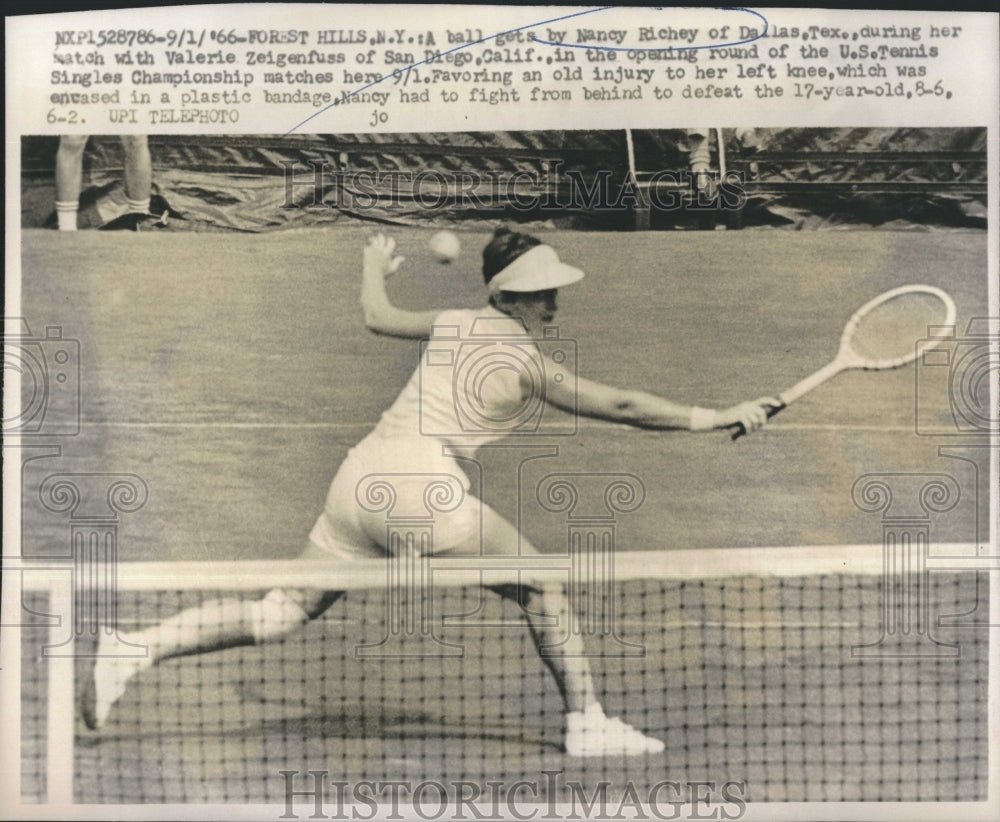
(522, 277)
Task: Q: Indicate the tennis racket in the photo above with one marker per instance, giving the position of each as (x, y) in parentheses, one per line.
(887, 332)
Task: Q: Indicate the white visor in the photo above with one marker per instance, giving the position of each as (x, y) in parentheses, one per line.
(538, 269)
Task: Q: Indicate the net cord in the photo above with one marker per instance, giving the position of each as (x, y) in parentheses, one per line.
(708, 563)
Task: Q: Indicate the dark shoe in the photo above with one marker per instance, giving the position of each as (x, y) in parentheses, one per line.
(134, 221)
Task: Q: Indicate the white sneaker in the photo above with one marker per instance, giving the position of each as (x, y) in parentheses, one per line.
(591, 733)
(107, 683)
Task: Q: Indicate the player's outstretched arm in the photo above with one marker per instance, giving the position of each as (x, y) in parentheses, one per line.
(645, 410)
(380, 314)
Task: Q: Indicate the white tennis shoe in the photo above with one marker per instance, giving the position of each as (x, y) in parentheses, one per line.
(591, 733)
(107, 683)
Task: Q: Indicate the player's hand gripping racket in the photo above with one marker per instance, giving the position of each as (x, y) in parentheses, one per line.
(887, 332)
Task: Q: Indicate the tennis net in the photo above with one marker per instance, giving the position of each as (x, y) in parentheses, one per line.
(781, 675)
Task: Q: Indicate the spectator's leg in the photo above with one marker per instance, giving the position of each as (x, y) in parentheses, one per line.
(138, 172)
(701, 155)
(69, 179)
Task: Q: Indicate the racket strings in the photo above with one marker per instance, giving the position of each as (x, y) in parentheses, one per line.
(890, 332)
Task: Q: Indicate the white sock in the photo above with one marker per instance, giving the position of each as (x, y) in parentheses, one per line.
(137, 206)
(66, 214)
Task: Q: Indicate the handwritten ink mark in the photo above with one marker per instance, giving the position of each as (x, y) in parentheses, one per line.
(348, 95)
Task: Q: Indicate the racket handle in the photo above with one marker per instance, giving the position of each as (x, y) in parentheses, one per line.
(771, 411)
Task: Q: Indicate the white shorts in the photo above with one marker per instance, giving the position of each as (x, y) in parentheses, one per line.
(389, 487)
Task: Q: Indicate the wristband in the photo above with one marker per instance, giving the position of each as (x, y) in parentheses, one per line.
(702, 419)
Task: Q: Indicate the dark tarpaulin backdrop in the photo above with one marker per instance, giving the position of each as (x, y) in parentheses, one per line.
(794, 178)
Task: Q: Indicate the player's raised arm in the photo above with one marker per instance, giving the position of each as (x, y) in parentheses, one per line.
(644, 410)
(380, 314)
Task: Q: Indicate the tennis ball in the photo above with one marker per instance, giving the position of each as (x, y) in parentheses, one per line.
(445, 246)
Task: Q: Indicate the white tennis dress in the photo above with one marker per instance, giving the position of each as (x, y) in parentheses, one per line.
(467, 391)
